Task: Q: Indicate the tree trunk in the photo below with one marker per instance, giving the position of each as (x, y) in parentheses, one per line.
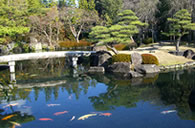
(132, 39)
(79, 32)
(177, 44)
(113, 49)
(77, 39)
(50, 35)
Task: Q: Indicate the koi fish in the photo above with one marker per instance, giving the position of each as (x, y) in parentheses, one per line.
(15, 123)
(15, 104)
(86, 116)
(105, 114)
(27, 90)
(169, 111)
(72, 118)
(59, 113)
(8, 117)
(13, 126)
(52, 105)
(45, 119)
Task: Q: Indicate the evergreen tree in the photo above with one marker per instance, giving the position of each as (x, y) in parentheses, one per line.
(61, 3)
(83, 4)
(127, 25)
(34, 6)
(130, 25)
(13, 20)
(87, 4)
(71, 3)
(180, 25)
(108, 7)
(91, 5)
(100, 35)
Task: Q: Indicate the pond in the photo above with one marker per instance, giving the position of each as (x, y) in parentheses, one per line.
(51, 95)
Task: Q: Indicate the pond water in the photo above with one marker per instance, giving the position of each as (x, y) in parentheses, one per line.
(50, 95)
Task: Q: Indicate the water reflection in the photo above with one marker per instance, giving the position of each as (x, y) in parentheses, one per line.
(47, 81)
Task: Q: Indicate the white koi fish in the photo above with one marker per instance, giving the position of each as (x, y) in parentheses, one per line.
(72, 118)
(169, 111)
(52, 105)
(15, 104)
(15, 123)
(86, 116)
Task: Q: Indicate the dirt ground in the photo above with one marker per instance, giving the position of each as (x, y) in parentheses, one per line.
(161, 52)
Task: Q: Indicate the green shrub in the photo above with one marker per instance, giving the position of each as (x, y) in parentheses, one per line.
(147, 41)
(121, 58)
(149, 59)
(71, 44)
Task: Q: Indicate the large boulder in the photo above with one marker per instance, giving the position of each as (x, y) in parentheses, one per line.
(96, 69)
(120, 67)
(17, 50)
(100, 48)
(133, 74)
(100, 58)
(136, 59)
(4, 50)
(188, 53)
(147, 68)
(193, 57)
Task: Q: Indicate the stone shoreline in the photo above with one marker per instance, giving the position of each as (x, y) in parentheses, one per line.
(178, 66)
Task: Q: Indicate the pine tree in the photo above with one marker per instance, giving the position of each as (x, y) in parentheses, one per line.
(34, 6)
(13, 19)
(91, 5)
(122, 32)
(129, 26)
(83, 4)
(71, 3)
(100, 35)
(180, 25)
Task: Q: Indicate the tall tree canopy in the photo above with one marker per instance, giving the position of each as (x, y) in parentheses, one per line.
(180, 25)
(126, 26)
(13, 19)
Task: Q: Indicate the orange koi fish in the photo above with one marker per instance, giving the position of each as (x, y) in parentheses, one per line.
(8, 117)
(45, 119)
(60, 113)
(105, 114)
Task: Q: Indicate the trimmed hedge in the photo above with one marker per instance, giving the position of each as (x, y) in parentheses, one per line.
(71, 44)
(121, 58)
(149, 59)
(147, 41)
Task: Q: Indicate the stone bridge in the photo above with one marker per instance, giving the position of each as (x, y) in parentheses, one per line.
(11, 59)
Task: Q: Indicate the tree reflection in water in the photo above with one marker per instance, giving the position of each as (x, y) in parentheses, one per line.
(165, 89)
